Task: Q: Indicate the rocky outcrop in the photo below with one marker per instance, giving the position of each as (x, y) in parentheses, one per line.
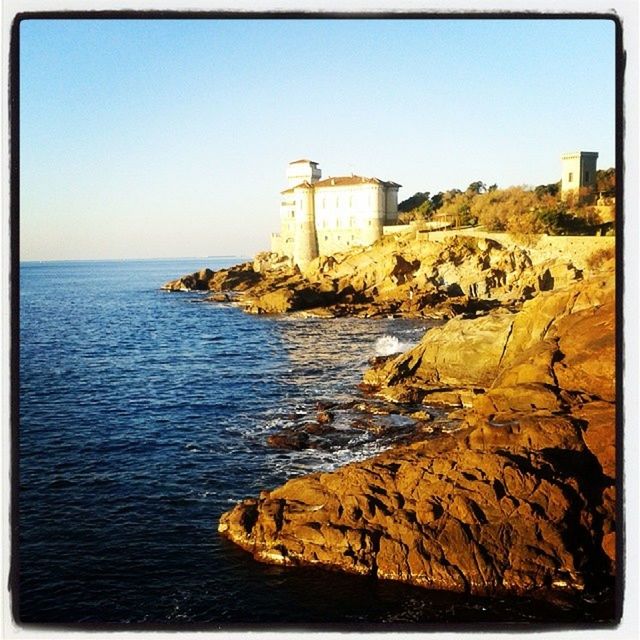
(238, 278)
(463, 512)
(521, 499)
(544, 346)
(398, 275)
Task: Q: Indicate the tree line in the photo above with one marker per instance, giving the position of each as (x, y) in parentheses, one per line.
(524, 210)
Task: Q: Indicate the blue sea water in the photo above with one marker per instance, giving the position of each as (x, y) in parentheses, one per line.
(144, 415)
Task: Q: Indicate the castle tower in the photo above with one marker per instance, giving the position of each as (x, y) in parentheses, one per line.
(374, 220)
(300, 171)
(305, 238)
(578, 171)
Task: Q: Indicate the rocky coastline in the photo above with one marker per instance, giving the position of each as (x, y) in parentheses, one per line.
(521, 497)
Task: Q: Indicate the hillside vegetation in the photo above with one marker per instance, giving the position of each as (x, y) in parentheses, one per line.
(519, 209)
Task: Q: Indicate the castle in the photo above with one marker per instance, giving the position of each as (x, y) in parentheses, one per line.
(323, 217)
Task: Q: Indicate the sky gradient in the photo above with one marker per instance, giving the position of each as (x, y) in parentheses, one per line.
(170, 138)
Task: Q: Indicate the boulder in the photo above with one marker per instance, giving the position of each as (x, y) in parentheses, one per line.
(198, 281)
(486, 510)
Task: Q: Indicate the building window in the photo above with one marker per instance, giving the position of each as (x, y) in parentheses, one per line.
(326, 237)
(586, 176)
(570, 176)
(350, 201)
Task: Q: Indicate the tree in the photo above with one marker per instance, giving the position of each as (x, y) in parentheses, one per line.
(476, 188)
(436, 201)
(552, 189)
(414, 201)
(606, 181)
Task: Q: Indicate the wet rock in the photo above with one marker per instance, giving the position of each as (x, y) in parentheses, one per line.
(219, 297)
(364, 424)
(325, 417)
(519, 499)
(238, 278)
(289, 439)
(318, 428)
(198, 281)
(498, 517)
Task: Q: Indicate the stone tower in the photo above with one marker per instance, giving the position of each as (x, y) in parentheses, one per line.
(578, 171)
(300, 171)
(305, 247)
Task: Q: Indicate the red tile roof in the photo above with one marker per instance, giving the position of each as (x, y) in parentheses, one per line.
(345, 181)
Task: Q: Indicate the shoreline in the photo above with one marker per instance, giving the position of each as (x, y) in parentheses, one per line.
(516, 401)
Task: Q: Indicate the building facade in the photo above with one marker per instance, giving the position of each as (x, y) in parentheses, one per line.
(322, 217)
(578, 171)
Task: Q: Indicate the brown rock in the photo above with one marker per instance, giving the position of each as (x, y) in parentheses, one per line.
(521, 499)
(494, 518)
(598, 420)
(289, 439)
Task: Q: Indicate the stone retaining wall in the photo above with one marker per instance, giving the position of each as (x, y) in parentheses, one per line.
(543, 247)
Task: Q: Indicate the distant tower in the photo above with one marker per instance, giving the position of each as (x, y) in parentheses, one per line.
(578, 171)
(300, 171)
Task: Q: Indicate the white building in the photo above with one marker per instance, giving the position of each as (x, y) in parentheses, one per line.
(578, 171)
(323, 217)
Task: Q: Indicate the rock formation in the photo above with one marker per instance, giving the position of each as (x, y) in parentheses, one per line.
(520, 499)
(398, 275)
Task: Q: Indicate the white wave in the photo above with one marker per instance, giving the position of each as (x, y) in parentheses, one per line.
(388, 345)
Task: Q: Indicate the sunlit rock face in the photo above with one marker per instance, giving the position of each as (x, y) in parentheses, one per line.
(487, 518)
(400, 275)
(521, 499)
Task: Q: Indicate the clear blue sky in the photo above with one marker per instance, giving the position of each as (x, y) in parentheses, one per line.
(171, 138)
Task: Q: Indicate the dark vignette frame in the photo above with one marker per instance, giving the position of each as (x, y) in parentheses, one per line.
(14, 296)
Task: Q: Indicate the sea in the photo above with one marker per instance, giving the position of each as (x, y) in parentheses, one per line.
(144, 415)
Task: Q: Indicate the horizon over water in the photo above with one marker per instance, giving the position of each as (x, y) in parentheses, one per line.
(224, 257)
(144, 416)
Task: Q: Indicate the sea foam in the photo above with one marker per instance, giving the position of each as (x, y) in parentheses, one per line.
(388, 345)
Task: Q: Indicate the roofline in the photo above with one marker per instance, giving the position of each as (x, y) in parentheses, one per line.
(303, 160)
(570, 154)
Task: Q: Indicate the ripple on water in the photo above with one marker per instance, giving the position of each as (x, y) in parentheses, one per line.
(143, 417)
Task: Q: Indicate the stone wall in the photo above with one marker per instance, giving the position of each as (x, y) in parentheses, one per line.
(392, 229)
(578, 249)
